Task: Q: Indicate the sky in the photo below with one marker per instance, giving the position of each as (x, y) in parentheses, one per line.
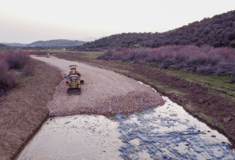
(26, 21)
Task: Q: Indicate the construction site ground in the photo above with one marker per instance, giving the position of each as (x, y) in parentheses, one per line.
(206, 98)
(24, 109)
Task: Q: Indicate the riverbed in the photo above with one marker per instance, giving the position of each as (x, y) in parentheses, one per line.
(165, 132)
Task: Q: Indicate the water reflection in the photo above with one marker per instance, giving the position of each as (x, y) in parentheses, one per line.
(168, 132)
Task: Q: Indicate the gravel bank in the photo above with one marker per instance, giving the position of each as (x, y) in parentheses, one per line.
(104, 92)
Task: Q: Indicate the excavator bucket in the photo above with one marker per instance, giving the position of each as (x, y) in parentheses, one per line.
(74, 86)
(74, 91)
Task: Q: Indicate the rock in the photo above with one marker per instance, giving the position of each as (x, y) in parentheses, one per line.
(227, 119)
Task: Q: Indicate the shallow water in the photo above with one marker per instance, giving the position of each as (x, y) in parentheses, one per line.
(169, 132)
(165, 132)
(75, 137)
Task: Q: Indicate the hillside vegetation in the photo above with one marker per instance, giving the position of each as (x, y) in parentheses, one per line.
(13, 66)
(205, 60)
(218, 31)
(56, 43)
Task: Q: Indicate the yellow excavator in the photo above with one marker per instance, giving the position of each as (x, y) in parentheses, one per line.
(74, 83)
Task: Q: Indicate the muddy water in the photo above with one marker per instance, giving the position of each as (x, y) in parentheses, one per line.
(166, 132)
(169, 132)
(75, 137)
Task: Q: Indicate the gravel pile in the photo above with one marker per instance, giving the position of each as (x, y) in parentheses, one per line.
(104, 92)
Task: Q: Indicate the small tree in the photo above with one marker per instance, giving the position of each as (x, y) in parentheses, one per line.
(232, 44)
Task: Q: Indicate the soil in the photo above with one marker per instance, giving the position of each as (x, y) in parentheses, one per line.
(197, 99)
(103, 93)
(23, 109)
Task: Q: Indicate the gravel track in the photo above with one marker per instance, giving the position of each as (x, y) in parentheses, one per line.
(104, 92)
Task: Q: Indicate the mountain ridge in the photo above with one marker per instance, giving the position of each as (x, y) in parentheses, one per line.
(56, 43)
(218, 31)
(3, 45)
(49, 43)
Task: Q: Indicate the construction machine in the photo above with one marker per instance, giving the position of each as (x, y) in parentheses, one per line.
(74, 83)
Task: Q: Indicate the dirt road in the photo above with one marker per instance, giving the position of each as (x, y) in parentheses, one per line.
(104, 92)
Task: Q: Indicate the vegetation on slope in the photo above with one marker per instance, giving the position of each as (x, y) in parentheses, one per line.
(203, 60)
(218, 31)
(56, 43)
(13, 66)
(2, 45)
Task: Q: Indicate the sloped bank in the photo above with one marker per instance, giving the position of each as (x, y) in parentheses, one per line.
(24, 109)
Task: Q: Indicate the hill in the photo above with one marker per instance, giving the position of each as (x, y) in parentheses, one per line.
(56, 43)
(218, 31)
(3, 45)
(16, 44)
(49, 43)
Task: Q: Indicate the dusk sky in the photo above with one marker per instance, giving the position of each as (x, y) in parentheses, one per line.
(26, 21)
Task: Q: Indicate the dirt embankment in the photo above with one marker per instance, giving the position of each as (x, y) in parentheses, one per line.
(104, 92)
(218, 112)
(23, 110)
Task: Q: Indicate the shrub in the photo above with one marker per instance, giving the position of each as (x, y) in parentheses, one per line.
(204, 60)
(232, 44)
(11, 62)
(7, 80)
(184, 42)
(195, 39)
(28, 68)
(205, 70)
(17, 60)
(199, 43)
(231, 36)
(218, 44)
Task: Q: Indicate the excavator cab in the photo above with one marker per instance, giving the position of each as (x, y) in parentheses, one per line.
(73, 67)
